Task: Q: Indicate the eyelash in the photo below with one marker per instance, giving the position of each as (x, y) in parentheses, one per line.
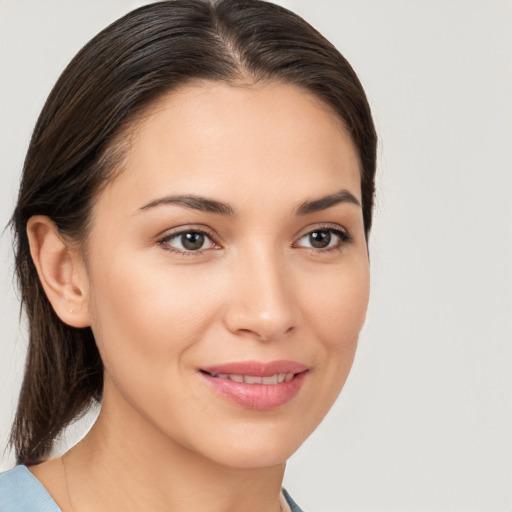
(343, 236)
(164, 242)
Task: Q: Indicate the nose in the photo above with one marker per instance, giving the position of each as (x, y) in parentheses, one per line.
(261, 304)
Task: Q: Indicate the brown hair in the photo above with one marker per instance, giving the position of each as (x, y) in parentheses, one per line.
(78, 141)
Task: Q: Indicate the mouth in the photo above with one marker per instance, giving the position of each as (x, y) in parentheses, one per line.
(255, 385)
(277, 378)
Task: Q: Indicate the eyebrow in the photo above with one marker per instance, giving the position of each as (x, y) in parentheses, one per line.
(213, 206)
(317, 205)
(195, 202)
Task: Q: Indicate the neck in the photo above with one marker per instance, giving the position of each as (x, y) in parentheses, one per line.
(124, 463)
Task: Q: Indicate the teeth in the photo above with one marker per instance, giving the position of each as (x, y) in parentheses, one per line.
(277, 378)
(249, 379)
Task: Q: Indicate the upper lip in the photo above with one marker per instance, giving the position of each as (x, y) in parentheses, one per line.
(256, 368)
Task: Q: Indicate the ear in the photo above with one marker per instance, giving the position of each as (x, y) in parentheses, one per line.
(61, 271)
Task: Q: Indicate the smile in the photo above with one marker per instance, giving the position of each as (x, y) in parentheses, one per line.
(277, 378)
(255, 385)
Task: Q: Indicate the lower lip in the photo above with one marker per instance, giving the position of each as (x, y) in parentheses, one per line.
(257, 396)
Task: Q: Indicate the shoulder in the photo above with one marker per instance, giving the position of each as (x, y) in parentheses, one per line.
(20, 491)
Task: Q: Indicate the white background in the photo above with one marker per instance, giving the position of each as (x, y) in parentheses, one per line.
(425, 420)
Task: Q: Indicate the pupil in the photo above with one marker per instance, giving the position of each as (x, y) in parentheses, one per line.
(192, 241)
(320, 239)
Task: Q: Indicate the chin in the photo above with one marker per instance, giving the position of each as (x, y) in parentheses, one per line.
(254, 457)
(252, 447)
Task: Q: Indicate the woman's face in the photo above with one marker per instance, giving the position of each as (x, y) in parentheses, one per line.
(227, 272)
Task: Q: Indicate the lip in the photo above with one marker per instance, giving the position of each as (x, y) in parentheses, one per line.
(256, 396)
(257, 368)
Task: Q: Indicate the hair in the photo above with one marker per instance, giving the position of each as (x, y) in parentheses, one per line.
(81, 137)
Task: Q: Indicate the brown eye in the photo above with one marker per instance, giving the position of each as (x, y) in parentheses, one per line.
(326, 238)
(192, 241)
(187, 242)
(319, 239)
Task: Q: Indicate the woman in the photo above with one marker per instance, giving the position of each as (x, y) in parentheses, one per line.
(191, 232)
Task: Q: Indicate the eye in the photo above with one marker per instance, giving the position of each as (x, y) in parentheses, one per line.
(323, 239)
(187, 242)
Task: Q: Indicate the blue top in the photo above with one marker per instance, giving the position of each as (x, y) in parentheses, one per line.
(21, 491)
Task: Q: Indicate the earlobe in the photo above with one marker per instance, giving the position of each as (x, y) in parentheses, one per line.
(60, 270)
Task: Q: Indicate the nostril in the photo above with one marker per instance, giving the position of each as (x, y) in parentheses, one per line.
(263, 335)
(261, 320)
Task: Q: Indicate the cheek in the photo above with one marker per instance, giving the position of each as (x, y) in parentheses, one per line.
(337, 308)
(337, 304)
(146, 316)
(334, 305)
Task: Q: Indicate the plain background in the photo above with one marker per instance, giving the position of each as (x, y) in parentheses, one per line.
(425, 420)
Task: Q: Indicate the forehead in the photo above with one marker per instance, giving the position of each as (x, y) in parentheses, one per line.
(216, 139)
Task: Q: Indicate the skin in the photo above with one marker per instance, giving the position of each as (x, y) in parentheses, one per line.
(258, 290)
